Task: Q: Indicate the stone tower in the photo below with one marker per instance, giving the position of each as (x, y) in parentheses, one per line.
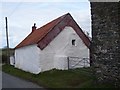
(105, 46)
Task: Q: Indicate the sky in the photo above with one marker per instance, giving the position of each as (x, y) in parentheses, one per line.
(22, 14)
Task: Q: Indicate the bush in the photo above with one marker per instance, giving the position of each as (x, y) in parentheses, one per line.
(4, 58)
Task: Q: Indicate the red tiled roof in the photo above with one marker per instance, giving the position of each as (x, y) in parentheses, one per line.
(45, 34)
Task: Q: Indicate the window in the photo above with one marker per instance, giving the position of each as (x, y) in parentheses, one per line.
(73, 42)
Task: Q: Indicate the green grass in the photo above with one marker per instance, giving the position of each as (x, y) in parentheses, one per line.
(77, 78)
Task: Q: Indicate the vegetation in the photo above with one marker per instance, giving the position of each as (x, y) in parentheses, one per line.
(3, 54)
(77, 78)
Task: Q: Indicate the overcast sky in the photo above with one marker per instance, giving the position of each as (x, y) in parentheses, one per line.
(22, 15)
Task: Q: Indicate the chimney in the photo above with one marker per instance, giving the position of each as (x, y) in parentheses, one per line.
(34, 27)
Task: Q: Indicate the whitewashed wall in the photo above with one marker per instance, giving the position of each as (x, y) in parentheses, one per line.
(61, 47)
(27, 58)
(31, 58)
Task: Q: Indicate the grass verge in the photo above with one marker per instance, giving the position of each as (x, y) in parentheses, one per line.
(77, 78)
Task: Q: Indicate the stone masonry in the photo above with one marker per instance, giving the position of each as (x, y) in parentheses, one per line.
(105, 46)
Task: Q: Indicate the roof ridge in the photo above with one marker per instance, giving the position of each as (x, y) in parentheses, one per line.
(54, 25)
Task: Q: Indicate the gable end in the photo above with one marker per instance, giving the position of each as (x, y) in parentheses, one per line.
(67, 21)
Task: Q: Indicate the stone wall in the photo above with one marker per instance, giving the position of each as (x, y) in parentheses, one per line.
(105, 47)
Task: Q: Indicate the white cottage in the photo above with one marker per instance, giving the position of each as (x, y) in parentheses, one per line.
(53, 46)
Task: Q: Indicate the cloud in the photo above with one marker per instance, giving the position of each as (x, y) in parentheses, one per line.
(16, 35)
(21, 21)
(45, 0)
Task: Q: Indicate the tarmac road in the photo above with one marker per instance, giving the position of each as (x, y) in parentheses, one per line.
(9, 81)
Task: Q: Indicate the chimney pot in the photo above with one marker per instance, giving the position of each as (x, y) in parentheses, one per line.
(34, 27)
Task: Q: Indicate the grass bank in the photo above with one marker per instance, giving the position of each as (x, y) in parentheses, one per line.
(77, 78)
